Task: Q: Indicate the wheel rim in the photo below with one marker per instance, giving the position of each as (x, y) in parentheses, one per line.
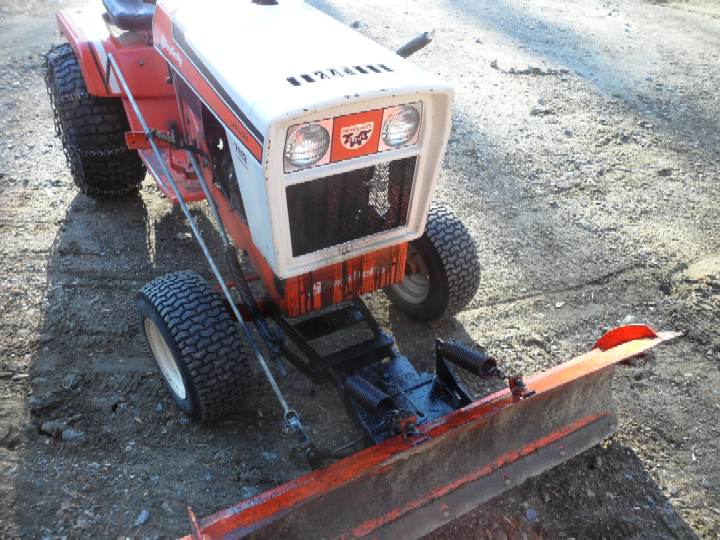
(415, 287)
(165, 359)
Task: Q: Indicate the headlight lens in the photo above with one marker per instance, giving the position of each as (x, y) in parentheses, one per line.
(307, 145)
(401, 125)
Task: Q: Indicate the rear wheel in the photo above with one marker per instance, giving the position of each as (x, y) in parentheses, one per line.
(91, 129)
(443, 270)
(196, 345)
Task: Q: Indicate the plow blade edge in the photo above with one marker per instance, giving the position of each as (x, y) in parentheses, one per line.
(399, 490)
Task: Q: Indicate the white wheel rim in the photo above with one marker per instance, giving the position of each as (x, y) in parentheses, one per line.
(165, 359)
(414, 288)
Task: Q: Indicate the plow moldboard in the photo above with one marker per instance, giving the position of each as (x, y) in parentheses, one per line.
(394, 490)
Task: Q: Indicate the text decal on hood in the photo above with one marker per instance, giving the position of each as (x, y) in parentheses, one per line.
(336, 73)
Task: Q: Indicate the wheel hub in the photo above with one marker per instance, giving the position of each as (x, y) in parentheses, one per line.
(165, 359)
(415, 287)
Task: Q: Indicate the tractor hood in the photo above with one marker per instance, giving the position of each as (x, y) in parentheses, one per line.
(272, 62)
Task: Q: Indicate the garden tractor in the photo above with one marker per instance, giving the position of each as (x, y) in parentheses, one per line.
(317, 152)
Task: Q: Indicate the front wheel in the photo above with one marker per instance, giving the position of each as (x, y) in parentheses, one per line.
(442, 272)
(196, 344)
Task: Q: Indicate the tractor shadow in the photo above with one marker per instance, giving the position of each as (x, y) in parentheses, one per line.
(130, 448)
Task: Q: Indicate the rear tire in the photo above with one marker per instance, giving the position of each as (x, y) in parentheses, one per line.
(196, 344)
(91, 130)
(448, 270)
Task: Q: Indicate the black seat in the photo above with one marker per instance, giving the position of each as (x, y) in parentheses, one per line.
(133, 15)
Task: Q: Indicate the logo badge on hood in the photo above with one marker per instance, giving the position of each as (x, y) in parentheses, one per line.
(356, 136)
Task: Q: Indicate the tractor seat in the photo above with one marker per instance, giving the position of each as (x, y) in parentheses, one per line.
(132, 15)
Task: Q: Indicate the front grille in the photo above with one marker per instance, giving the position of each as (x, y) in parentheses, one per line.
(336, 209)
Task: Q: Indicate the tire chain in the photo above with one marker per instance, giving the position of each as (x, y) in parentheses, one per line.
(74, 155)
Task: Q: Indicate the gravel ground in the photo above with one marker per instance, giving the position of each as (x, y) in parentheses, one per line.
(584, 159)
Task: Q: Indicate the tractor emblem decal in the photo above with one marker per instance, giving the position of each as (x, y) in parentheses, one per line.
(170, 50)
(357, 135)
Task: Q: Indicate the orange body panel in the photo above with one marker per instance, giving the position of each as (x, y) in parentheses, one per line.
(163, 33)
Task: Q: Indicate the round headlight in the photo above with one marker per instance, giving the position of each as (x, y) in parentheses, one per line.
(401, 125)
(307, 145)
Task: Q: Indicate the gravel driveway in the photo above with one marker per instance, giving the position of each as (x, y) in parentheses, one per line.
(584, 159)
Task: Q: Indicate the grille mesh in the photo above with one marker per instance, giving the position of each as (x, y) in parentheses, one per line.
(336, 209)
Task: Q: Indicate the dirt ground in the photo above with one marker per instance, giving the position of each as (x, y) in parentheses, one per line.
(584, 159)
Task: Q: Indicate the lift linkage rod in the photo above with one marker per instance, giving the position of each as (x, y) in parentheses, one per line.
(290, 416)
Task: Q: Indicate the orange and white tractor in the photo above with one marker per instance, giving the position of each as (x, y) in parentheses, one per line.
(317, 152)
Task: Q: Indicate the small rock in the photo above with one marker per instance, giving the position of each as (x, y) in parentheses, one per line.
(73, 436)
(38, 404)
(630, 319)
(20, 377)
(165, 507)
(83, 523)
(494, 64)
(183, 236)
(541, 111)
(558, 305)
(142, 518)
(249, 491)
(70, 381)
(159, 408)
(590, 492)
(665, 171)
(356, 24)
(52, 427)
(568, 132)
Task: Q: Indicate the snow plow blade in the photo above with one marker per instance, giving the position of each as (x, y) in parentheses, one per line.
(400, 489)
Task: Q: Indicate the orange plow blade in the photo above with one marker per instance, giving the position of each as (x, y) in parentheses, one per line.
(400, 490)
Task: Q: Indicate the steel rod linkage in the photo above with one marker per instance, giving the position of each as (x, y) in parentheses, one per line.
(290, 415)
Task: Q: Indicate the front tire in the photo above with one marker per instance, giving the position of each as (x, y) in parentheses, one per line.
(91, 130)
(443, 270)
(196, 344)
